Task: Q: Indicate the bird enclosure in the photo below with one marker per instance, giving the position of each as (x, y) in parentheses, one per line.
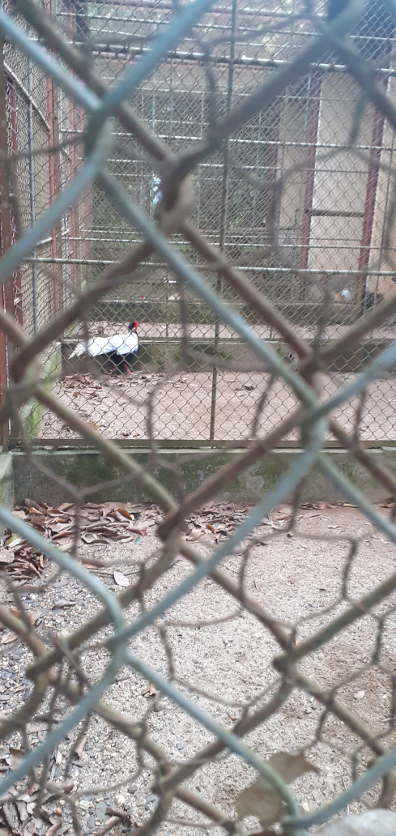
(299, 199)
(221, 174)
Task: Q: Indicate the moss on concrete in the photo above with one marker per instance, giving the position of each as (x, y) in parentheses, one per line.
(6, 480)
(88, 468)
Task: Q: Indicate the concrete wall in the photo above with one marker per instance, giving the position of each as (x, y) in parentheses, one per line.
(87, 468)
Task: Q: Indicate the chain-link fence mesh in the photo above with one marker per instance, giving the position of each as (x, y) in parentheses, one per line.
(223, 176)
(296, 198)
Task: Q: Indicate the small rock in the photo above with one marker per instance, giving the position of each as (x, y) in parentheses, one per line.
(100, 811)
(150, 801)
(359, 695)
(120, 799)
(249, 387)
(372, 823)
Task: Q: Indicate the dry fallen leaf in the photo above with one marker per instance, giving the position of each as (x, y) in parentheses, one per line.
(61, 603)
(11, 817)
(103, 523)
(6, 557)
(120, 579)
(260, 799)
(14, 541)
(8, 638)
(78, 748)
(291, 767)
(54, 828)
(150, 691)
(124, 512)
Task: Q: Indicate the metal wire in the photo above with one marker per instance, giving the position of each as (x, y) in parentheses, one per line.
(67, 198)
(37, 755)
(93, 185)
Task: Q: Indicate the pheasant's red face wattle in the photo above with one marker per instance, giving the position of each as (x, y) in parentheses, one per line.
(135, 325)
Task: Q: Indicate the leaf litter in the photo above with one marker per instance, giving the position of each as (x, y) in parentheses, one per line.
(238, 664)
(115, 521)
(93, 524)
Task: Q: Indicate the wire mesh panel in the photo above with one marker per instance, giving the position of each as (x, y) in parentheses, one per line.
(34, 293)
(215, 184)
(296, 198)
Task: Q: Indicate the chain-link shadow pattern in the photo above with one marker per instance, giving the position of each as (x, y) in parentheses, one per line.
(222, 179)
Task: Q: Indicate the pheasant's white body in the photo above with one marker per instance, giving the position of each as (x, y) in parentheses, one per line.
(121, 344)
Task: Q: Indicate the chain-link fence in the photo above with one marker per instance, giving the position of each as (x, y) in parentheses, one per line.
(224, 177)
(296, 198)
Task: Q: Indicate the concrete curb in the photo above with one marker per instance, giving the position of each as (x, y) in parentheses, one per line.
(188, 468)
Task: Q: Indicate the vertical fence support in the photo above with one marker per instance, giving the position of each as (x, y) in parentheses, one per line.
(54, 189)
(312, 127)
(32, 197)
(54, 182)
(369, 205)
(223, 219)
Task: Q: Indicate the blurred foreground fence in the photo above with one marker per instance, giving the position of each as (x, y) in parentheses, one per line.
(271, 132)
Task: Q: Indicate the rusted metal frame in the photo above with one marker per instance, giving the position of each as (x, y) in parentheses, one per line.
(12, 134)
(69, 226)
(32, 197)
(8, 143)
(73, 111)
(25, 93)
(79, 24)
(5, 230)
(54, 184)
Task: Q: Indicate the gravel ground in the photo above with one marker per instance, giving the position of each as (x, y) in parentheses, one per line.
(296, 578)
(119, 405)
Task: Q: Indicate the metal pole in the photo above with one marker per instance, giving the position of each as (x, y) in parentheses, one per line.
(223, 218)
(312, 127)
(32, 197)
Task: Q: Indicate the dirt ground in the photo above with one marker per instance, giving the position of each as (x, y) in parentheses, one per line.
(180, 407)
(202, 330)
(144, 404)
(226, 654)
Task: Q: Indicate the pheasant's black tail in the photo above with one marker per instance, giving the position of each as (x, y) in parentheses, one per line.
(115, 362)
